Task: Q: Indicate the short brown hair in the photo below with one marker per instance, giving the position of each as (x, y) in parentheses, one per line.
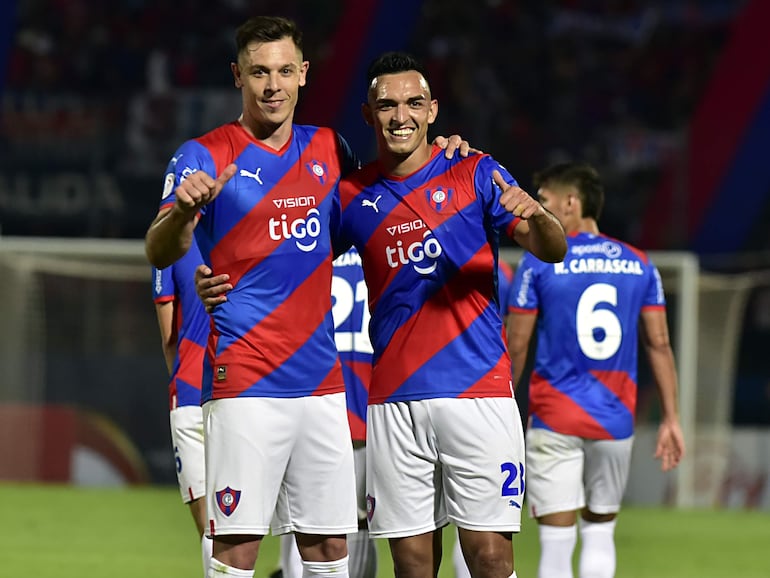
(583, 177)
(267, 29)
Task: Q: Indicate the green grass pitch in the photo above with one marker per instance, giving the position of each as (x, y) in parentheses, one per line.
(69, 532)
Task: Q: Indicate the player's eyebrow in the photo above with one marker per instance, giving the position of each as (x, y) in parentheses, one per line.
(409, 100)
(254, 67)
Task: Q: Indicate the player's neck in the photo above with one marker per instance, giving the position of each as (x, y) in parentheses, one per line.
(586, 226)
(401, 166)
(273, 136)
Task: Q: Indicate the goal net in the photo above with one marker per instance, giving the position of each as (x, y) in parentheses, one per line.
(83, 392)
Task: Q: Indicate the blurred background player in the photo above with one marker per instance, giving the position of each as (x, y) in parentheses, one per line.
(444, 438)
(351, 333)
(184, 329)
(582, 392)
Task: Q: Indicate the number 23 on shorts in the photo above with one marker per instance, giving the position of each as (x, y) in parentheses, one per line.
(513, 485)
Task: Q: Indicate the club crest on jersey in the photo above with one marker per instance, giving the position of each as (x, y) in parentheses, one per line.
(228, 499)
(221, 372)
(369, 506)
(439, 198)
(318, 170)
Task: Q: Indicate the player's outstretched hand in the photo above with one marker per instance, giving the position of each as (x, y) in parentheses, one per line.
(670, 445)
(454, 143)
(516, 200)
(200, 188)
(211, 289)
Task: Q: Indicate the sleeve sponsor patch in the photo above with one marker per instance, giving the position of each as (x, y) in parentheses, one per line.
(168, 185)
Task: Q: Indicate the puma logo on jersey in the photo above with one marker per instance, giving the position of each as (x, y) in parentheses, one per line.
(372, 204)
(255, 176)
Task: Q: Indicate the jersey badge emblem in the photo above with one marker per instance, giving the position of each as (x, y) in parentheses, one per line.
(439, 198)
(221, 372)
(228, 499)
(318, 170)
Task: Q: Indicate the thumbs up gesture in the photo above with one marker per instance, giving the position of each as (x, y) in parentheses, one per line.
(200, 188)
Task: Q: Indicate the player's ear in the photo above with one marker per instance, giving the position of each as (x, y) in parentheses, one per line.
(236, 74)
(433, 111)
(366, 112)
(303, 72)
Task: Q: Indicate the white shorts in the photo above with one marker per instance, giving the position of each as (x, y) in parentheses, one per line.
(359, 461)
(187, 439)
(278, 464)
(565, 473)
(436, 461)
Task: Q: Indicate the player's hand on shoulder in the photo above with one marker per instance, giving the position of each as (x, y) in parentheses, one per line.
(455, 143)
(211, 289)
(200, 188)
(516, 200)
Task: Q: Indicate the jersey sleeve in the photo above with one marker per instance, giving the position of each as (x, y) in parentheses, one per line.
(188, 159)
(654, 297)
(340, 241)
(489, 194)
(163, 288)
(523, 296)
(349, 162)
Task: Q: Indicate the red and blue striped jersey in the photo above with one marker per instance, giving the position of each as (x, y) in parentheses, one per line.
(584, 378)
(269, 230)
(504, 280)
(176, 284)
(429, 244)
(351, 333)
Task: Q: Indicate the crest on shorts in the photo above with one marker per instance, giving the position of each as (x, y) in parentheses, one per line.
(318, 170)
(369, 507)
(228, 499)
(439, 197)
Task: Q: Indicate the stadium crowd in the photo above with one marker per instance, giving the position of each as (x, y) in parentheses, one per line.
(621, 76)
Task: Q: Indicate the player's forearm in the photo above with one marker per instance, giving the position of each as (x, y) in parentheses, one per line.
(547, 241)
(518, 360)
(169, 237)
(169, 353)
(517, 349)
(664, 373)
(519, 333)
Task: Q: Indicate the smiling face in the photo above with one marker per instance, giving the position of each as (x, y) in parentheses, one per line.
(400, 110)
(269, 75)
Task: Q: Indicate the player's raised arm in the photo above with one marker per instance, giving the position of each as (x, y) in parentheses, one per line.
(540, 232)
(170, 234)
